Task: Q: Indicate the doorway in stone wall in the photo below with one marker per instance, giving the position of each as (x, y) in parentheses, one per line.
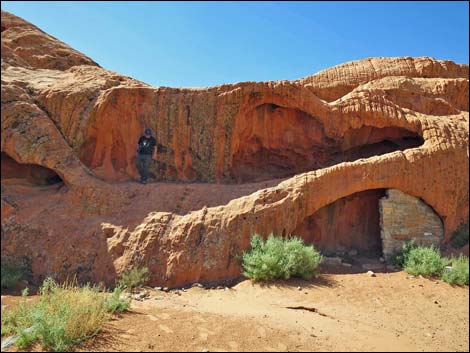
(347, 227)
(367, 228)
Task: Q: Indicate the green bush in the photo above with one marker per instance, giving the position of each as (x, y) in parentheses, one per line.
(459, 272)
(279, 258)
(11, 273)
(399, 258)
(426, 261)
(134, 278)
(115, 304)
(63, 315)
(460, 236)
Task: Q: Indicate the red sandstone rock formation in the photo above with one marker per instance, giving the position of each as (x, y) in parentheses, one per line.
(69, 131)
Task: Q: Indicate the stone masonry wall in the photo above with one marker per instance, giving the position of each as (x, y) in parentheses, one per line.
(404, 217)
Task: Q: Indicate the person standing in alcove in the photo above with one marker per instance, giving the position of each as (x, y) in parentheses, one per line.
(146, 151)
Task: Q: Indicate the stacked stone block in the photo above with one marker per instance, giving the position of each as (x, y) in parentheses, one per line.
(403, 218)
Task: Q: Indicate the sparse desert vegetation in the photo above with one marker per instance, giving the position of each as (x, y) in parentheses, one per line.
(62, 315)
(458, 273)
(460, 237)
(278, 258)
(11, 273)
(135, 277)
(427, 261)
(69, 317)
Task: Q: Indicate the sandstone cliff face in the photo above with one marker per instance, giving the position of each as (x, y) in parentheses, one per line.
(26, 45)
(233, 159)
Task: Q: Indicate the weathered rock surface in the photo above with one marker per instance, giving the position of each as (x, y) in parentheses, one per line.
(377, 123)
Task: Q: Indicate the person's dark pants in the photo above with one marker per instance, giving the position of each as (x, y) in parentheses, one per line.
(143, 163)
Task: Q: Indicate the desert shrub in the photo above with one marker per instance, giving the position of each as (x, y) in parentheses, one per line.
(460, 237)
(459, 272)
(279, 258)
(115, 304)
(136, 277)
(400, 257)
(11, 273)
(62, 316)
(426, 261)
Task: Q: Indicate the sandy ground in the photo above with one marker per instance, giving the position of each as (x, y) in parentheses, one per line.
(334, 312)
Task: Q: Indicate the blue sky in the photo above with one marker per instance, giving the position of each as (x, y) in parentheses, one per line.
(198, 44)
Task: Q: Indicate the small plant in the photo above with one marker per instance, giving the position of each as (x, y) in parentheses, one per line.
(458, 274)
(426, 261)
(134, 278)
(460, 237)
(115, 304)
(399, 258)
(279, 258)
(11, 273)
(63, 315)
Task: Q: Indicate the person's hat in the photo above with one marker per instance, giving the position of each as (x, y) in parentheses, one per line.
(148, 131)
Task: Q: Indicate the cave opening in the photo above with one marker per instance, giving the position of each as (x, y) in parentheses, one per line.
(276, 142)
(31, 173)
(351, 223)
